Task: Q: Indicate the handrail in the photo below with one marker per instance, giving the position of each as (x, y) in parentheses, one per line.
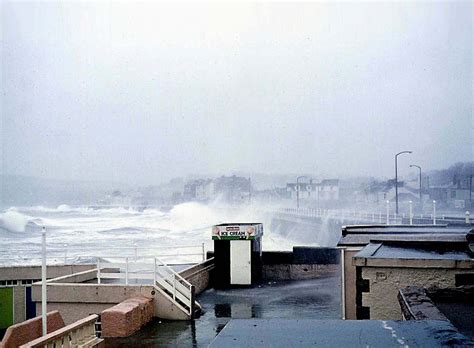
(65, 331)
(62, 256)
(174, 272)
(93, 256)
(186, 296)
(61, 248)
(165, 277)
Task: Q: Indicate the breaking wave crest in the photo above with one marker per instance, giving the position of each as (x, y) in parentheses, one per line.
(13, 221)
(109, 230)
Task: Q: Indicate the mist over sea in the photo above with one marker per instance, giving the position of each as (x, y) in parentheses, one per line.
(82, 232)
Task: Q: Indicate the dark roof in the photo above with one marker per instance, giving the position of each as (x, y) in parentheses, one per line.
(402, 251)
(362, 240)
(361, 235)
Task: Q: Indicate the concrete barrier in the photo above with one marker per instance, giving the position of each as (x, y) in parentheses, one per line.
(301, 263)
(199, 275)
(297, 272)
(416, 305)
(31, 329)
(34, 272)
(76, 301)
(127, 317)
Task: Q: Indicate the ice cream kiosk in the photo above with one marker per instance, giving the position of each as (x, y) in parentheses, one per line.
(237, 253)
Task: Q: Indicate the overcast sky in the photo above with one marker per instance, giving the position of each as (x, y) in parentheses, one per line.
(142, 92)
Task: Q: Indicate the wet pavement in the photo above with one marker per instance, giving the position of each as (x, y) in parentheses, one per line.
(307, 299)
(461, 314)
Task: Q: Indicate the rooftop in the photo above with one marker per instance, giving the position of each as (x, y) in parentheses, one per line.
(400, 251)
(362, 235)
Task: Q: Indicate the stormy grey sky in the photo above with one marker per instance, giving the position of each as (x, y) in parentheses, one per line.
(142, 92)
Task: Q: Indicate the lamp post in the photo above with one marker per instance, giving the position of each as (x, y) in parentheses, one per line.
(419, 168)
(396, 179)
(44, 318)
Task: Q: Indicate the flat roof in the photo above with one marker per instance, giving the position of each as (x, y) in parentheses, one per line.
(239, 223)
(364, 239)
(386, 254)
(380, 250)
(338, 333)
(361, 235)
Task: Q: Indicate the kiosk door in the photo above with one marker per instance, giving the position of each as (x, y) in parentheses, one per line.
(240, 267)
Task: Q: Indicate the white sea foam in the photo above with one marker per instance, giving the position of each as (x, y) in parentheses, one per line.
(13, 221)
(103, 230)
(63, 207)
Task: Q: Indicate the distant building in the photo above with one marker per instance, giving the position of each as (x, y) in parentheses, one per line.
(282, 193)
(455, 195)
(271, 195)
(326, 190)
(233, 189)
(305, 190)
(439, 194)
(380, 192)
(404, 195)
(329, 190)
(199, 190)
(458, 198)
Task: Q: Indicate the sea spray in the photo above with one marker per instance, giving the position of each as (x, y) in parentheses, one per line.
(13, 221)
(191, 216)
(108, 230)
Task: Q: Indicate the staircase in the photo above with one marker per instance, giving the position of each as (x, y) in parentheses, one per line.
(173, 295)
(177, 301)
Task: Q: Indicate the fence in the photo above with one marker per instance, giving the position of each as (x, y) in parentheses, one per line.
(73, 254)
(378, 217)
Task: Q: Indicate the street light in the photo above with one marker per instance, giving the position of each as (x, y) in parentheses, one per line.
(44, 318)
(419, 168)
(298, 191)
(396, 179)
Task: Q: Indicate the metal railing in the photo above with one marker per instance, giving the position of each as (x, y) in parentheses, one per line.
(82, 333)
(150, 268)
(175, 285)
(377, 217)
(74, 254)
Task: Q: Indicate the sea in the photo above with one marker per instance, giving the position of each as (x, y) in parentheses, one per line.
(80, 234)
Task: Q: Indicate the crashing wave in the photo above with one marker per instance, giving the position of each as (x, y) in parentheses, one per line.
(13, 221)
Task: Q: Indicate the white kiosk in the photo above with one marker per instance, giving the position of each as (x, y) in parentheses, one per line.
(237, 253)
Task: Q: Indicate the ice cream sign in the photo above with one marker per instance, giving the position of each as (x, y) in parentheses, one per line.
(237, 231)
